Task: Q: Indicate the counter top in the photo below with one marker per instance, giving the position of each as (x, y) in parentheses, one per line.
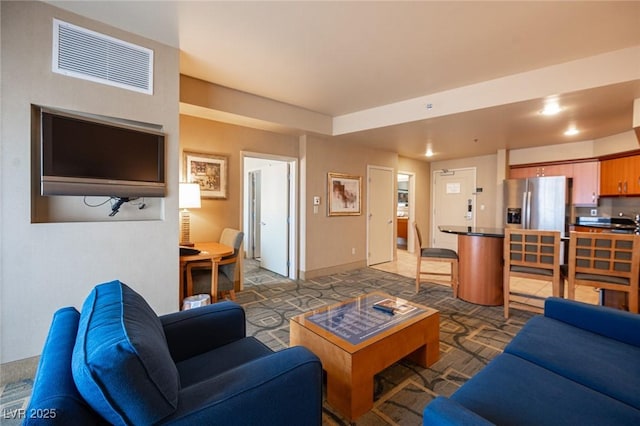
(472, 230)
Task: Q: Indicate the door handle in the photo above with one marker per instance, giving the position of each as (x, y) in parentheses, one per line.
(263, 223)
(390, 222)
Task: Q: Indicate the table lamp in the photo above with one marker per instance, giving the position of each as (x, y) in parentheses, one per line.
(188, 198)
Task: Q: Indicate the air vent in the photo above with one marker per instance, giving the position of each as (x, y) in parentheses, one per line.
(86, 54)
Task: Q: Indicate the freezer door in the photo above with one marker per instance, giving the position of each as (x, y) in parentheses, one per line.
(515, 193)
(547, 205)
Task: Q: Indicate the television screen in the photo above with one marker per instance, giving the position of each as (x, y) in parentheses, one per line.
(81, 156)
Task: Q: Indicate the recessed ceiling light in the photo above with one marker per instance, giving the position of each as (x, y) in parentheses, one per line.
(571, 131)
(551, 108)
(429, 153)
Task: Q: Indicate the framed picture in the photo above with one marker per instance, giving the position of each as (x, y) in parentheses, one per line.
(211, 171)
(343, 193)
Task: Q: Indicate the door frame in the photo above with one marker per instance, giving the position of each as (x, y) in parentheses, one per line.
(412, 209)
(293, 202)
(393, 201)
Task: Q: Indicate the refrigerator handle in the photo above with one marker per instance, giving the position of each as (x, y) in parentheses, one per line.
(524, 210)
(528, 211)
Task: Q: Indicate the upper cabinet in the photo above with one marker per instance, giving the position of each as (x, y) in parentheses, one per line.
(539, 171)
(585, 178)
(620, 176)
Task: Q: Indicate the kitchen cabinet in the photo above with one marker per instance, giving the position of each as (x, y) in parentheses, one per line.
(586, 182)
(542, 170)
(403, 231)
(620, 176)
(585, 178)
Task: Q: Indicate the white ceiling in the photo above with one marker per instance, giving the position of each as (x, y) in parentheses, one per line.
(343, 58)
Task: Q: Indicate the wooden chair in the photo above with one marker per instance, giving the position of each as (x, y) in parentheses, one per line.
(606, 261)
(532, 254)
(225, 268)
(434, 254)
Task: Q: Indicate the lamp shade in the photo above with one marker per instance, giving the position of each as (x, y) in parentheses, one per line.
(189, 196)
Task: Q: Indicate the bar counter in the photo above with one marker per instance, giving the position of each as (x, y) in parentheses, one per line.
(479, 263)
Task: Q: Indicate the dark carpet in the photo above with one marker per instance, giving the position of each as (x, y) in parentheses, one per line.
(470, 336)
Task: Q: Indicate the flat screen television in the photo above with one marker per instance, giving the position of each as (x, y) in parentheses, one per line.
(86, 156)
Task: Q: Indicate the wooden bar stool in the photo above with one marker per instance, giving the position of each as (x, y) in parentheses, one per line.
(607, 261)
(434, 254)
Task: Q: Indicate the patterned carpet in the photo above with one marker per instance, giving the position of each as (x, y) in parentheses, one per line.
(470, 336)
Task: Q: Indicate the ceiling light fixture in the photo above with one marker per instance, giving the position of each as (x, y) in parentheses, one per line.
(429, 153)
(551, 108)
(571, 131)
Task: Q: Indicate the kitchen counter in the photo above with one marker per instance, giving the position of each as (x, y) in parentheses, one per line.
(479, 263)
(473, 230)
(607, 224)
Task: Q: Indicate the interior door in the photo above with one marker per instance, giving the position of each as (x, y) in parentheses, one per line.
(453, 204)
(274, 217)
(381, 212)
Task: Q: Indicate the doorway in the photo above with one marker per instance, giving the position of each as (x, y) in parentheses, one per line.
(270, 212)
(406, 211)
(453, 204)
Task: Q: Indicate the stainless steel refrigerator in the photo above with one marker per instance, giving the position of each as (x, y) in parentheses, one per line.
(538, 203)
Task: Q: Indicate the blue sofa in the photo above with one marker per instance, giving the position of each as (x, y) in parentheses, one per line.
(119, 363)
(577, 364)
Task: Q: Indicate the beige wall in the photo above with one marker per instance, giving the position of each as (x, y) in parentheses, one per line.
(207, 136)
(325, 242)
(329, 240)
(45, 266)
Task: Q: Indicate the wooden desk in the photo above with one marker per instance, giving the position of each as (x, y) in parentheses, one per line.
(355, 342)
(211, 252)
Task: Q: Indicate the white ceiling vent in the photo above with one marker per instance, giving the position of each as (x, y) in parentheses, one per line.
(89, 55)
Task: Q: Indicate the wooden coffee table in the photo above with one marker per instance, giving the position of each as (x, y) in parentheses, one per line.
(354, 341)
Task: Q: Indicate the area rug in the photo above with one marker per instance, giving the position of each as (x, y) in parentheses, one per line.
(470, 335)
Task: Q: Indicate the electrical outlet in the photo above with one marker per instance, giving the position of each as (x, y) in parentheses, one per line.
(594, 212)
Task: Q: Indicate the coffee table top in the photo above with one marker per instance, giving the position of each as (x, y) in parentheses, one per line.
(355, 323)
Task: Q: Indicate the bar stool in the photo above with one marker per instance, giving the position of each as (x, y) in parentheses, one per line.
(434, 254)
(607, 261)
(531, 254)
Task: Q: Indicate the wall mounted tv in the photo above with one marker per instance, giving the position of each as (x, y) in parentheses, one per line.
(81, 155)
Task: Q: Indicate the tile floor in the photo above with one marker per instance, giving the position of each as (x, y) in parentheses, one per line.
(406, 266)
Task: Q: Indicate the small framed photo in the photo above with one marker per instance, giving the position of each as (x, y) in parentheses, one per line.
(211, 171)
(344, 194)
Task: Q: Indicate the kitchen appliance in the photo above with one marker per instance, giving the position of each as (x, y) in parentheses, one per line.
(538, 203)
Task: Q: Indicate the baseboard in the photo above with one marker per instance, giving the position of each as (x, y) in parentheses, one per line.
(308, 275)
(21, 369)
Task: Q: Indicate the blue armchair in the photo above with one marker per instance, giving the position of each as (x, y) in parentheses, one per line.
(119, 363)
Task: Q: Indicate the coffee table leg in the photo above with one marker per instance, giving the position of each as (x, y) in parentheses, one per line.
(351, 398)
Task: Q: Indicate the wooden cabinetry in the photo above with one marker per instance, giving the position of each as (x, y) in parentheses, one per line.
(403, 231)
(620, 176)
(586, 177)
(544, 170)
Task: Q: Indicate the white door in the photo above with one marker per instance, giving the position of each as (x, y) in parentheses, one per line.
(381, 212)
(274, 217)
(453, 204)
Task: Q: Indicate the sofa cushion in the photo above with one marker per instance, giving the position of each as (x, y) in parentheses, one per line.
(220, 360)
(121, 363)
(590, 359)
(511, 390)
